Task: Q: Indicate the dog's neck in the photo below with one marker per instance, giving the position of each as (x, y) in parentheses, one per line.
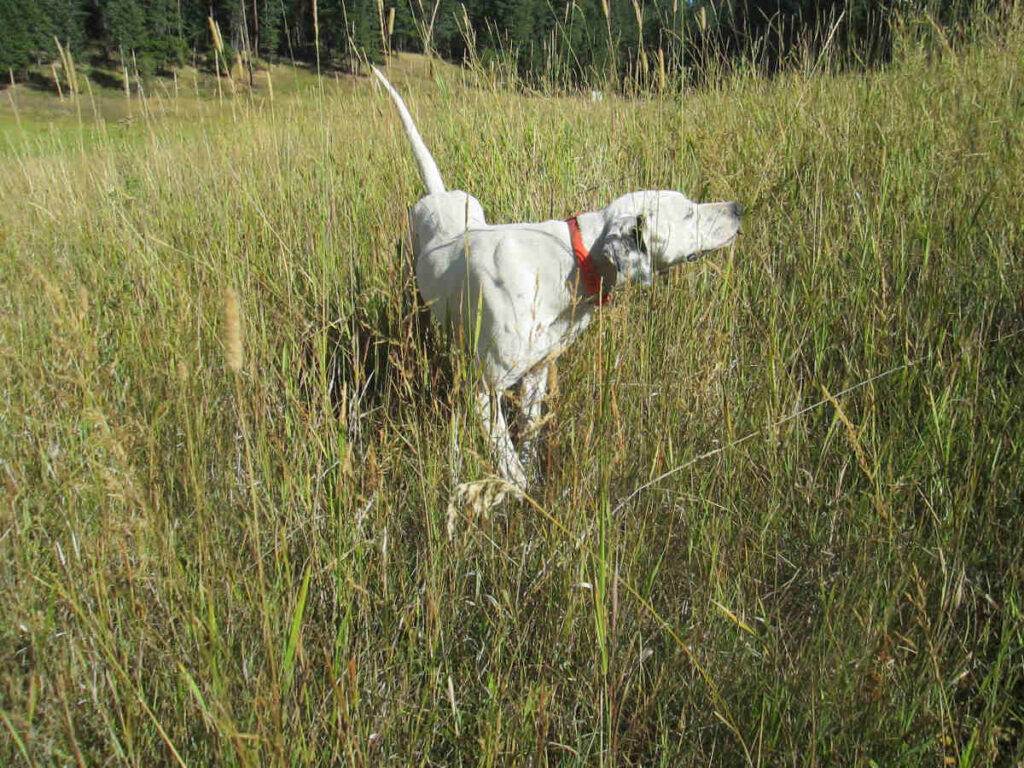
(593, 229)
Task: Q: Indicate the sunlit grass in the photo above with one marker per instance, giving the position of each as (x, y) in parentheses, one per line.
(229, 545)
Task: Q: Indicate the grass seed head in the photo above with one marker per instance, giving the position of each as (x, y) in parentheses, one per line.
(232, 331)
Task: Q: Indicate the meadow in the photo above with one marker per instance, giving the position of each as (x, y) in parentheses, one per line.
(783, 513)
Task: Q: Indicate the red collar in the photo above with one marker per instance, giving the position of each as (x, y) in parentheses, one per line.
(588, 271)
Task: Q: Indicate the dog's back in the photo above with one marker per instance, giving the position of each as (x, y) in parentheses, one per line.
(441, 217)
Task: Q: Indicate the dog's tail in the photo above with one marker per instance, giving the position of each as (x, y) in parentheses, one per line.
(428, 168)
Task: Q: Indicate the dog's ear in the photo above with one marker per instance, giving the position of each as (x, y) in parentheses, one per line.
(639, 235)
(626, 247)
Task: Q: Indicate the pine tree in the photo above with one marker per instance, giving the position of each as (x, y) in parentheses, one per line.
(18, 42)
(163, 43)
(269, 33)
(404, 36)
(64, 20)
(126, 24)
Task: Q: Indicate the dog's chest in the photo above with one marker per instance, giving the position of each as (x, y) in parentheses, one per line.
(508, 297)
(508, 351)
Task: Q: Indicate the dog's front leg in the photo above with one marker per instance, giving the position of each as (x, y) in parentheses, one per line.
(533, 390)
(503, 453)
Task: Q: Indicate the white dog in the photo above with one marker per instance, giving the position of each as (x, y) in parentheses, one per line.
(523, 292)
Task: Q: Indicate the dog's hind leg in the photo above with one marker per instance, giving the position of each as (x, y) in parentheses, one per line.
(533, 390)
(503, 453)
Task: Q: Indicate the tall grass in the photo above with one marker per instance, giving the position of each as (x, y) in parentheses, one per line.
(224, 521)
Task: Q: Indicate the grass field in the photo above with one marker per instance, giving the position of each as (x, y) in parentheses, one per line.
(783, 520)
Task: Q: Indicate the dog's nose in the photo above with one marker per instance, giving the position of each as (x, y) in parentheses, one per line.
(737, 210)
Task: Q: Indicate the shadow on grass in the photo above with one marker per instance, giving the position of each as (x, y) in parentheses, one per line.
(383, 354)
(106, 80)
(37, 81)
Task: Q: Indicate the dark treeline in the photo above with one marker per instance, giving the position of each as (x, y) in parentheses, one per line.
(567, 41)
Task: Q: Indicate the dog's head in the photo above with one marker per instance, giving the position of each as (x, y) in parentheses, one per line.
(648, 232)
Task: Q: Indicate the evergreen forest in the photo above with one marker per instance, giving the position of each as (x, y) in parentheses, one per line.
(578, 37)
